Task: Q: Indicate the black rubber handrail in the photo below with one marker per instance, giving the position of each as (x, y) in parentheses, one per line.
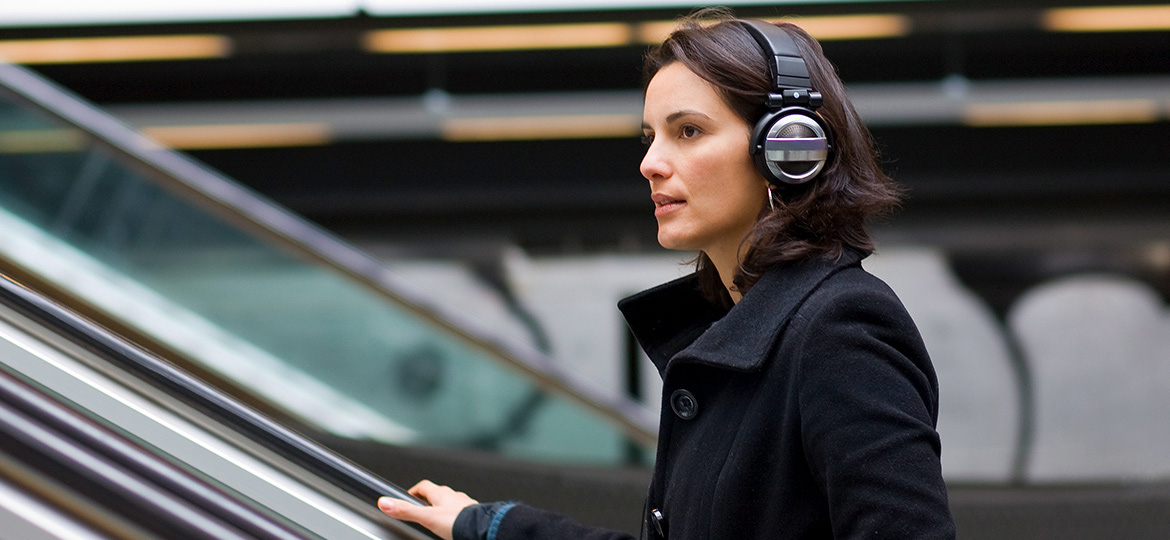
(283, 441)
(229, 200)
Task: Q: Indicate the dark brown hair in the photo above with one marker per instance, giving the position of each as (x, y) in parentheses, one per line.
(822, 218)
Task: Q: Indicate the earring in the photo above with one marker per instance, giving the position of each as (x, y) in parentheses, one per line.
(771, 203)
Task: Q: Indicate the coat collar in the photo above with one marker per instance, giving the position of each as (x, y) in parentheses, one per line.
(674, 323)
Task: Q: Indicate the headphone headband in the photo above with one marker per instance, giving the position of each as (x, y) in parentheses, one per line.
(787, 67)
(790, 143)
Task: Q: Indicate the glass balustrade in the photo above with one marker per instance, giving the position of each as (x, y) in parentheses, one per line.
(313, 341)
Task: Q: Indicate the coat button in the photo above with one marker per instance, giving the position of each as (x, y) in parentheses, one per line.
(656, 519)
(684, 404)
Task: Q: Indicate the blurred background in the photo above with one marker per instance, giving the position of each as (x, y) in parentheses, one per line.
(402, 227)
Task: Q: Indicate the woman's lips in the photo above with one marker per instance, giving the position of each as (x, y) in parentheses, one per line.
(663, 209)
(665, 204)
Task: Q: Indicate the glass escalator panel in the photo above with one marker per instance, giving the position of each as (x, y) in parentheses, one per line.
(78, 213)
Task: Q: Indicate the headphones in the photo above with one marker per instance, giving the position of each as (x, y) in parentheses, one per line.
(791, 142)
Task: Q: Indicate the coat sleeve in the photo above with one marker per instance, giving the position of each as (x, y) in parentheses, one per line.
(510, 521)
(868, 407)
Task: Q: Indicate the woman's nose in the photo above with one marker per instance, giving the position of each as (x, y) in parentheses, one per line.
(654, 165)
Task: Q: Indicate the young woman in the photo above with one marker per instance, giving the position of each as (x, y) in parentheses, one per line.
(798, 399)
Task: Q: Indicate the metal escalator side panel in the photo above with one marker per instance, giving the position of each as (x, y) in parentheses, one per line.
(128, 364)
(308, 500)
(132, 462)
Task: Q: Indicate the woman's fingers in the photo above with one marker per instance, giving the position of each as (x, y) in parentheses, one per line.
(436, 494)
(425, 490)
(439, 517)
(423, 515)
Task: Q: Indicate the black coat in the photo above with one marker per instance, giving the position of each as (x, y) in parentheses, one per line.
(806, 411)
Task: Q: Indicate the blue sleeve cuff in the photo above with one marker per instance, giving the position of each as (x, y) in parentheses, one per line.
(480, 521)
(497, 518)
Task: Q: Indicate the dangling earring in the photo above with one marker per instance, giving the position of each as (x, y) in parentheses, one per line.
(771, 203)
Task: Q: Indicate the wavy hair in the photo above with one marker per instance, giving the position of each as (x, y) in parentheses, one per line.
(821, 218)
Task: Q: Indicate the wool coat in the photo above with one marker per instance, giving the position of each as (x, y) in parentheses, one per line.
(806, 411)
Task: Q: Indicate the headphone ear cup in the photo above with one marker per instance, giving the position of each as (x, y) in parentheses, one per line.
(790, 146)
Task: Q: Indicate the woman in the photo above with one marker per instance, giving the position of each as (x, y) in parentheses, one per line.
(798, 399)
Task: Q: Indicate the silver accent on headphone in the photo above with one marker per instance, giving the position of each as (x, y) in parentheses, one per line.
(801, 149)
(787, 155)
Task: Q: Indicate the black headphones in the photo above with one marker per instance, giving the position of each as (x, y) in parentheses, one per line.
(791, 142)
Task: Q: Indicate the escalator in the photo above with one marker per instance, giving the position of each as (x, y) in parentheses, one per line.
(101, 436)
(288, 320)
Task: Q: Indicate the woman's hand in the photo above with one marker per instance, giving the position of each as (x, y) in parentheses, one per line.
(439, 517)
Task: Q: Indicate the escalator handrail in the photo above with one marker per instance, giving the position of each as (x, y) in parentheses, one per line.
(272, 435)
(229, 200)
(53, 432)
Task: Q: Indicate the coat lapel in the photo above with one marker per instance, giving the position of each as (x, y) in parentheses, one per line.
(741, 339)
(675, 324)
(667, 318)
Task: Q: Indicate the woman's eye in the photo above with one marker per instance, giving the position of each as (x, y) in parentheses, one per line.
(647, 139)
(689, 131)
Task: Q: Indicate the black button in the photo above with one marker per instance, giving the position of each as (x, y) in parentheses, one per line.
(684, 404)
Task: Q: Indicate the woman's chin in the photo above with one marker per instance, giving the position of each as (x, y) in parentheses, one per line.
(674, 241)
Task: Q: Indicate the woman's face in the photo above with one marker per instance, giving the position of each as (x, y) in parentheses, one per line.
(706, 190)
